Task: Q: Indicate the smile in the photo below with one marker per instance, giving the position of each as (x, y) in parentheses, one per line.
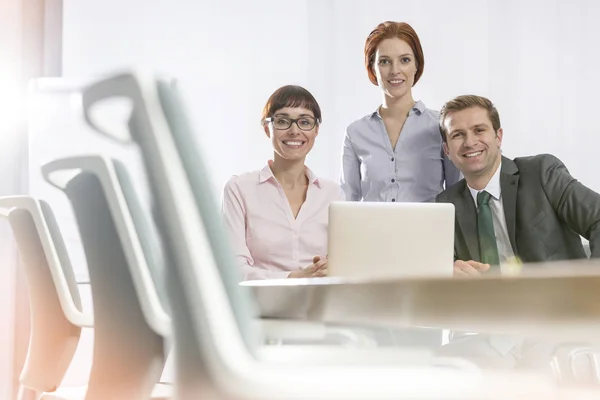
(293, 143)
(474, 154)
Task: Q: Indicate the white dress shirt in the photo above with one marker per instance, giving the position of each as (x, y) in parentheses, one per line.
(504, 344)
(505, 251)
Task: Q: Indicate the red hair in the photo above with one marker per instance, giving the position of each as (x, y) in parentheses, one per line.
(388, 30)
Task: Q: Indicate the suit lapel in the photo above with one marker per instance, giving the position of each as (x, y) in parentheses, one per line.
(466, 214)
(509, 181)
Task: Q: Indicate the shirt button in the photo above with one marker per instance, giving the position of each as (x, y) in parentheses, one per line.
(393, 200)
(393, 180)
(392, 159)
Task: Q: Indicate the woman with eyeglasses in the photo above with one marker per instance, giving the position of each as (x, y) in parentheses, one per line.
(395, 152)
(277, 216)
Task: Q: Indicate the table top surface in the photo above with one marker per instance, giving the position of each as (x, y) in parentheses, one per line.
(559, 297)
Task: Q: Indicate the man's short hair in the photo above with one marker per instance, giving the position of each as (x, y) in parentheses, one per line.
(467, 101)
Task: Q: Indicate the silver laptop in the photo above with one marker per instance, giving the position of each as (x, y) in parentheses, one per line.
(384, 240)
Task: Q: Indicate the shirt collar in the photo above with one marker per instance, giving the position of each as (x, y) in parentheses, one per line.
(493, 186)
(418, 107)
(266, 174)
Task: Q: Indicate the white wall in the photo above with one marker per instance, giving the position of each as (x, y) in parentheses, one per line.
(535, 59)
(229, 56)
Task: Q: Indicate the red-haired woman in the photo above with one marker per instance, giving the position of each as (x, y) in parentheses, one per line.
(395, 152)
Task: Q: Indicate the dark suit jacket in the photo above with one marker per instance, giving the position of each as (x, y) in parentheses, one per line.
(546, 210)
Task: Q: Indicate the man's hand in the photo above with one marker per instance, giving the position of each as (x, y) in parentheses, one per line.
(317, 269)
(469, 268)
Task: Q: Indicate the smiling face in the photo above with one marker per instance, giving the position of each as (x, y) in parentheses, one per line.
(292, 143)
(472, 144)
(395, 67)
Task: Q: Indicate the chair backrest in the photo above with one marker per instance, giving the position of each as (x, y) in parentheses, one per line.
(132, 325)
(55, 305)
(212, 315)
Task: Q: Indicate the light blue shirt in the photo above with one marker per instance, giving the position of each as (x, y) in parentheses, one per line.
(414, 171)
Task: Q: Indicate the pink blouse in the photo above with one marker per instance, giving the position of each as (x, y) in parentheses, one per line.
(267, 240)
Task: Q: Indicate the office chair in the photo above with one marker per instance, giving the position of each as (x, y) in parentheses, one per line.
(132, 326)
(55, 305)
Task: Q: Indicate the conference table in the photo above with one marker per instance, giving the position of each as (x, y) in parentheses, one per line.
(556, 298)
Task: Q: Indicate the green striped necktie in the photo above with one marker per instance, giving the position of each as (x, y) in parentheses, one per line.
(488, 248)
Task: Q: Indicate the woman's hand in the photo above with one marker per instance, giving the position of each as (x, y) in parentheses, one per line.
(316, 270)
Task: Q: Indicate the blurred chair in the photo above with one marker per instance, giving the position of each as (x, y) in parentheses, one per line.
(132, 326)
(577, 363)
(217, 341)
(55, 305)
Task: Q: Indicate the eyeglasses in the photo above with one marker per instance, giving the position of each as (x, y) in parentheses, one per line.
(282, 123)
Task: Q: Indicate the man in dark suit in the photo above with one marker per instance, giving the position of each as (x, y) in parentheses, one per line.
(530, 208)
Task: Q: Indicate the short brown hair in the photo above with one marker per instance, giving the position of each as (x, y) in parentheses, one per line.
(388, 30)
(291, 96)
(467, 101)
